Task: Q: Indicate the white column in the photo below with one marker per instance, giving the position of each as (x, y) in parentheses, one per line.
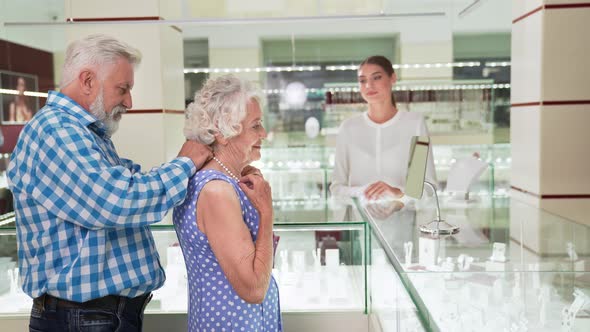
(551, 106)
(151, 132)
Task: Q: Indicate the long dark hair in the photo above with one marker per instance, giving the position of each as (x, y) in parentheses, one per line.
(385, 64)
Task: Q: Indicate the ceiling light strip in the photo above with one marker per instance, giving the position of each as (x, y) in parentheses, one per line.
(27, 93)
(403, 88)
(414, 65)
(251, 70)
(329, 68)
(498, 64)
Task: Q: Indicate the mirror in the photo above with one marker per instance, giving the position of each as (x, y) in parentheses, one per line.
(417, 166)
(415, 185)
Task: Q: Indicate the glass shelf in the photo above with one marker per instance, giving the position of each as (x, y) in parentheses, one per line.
(511, 264)
(304, 174)
(319, 263)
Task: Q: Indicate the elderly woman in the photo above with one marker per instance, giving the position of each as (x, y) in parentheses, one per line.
(225, 223)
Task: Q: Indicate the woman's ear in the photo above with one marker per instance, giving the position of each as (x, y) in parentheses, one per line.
(219, 139)
(393, 78)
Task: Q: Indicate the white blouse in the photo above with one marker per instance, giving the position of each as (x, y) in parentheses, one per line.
(367, 152)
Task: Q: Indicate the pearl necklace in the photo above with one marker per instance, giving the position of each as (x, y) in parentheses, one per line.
(226, 169)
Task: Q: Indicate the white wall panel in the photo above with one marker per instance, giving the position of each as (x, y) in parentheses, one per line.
(565, 143)
(566, 54)
(141, 139)
(525, 143)
(577, 210)
(172, 68)
(526, 60)
(111, 8)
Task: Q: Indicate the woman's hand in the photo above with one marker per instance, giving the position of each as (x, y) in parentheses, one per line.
(381, 189)
(249, 169)
(384, 210)
(259, 193)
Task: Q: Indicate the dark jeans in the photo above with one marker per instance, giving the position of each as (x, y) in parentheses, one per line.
(110, 313)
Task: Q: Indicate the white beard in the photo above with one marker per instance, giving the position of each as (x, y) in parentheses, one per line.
(111, 120)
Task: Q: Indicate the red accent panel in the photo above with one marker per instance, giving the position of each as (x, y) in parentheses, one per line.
(566, 102)
(573, 196)
(144, 111)
(27, 60)
(552, 103)
(522, 17)
(10, 133)
(524, 191)
(567, 5)
(553, 6)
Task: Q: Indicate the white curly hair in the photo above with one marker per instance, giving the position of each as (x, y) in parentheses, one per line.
(219, 107)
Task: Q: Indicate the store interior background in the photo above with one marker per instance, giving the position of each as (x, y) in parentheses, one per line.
(467, 105)
(470, 66)
(466, 65)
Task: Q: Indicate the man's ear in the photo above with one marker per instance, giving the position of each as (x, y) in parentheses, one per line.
(87, 80)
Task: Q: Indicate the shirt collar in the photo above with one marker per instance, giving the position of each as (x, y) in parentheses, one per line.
(68, 105)
(385, 124)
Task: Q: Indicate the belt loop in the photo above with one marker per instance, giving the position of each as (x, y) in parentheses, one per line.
(121, 307)
(49, 303)
(43, 297)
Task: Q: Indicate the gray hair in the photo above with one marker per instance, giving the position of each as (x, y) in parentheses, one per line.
(219, 107)
(95, 51)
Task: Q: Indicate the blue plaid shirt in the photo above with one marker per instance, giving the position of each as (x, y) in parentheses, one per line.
(83, 213)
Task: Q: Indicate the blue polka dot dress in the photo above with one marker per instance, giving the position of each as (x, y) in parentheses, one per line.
(213, 303)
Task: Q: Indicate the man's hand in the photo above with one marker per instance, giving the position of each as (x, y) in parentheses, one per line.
(197, 152)
(380, 189)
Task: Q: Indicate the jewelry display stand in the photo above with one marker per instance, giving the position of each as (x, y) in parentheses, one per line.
(463, 175)
(438, 226)
(568, 315)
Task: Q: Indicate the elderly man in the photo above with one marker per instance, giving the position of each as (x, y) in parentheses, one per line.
(86, 253)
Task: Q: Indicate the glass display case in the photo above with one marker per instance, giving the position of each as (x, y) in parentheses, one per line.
(390, 306)
(320, 263)
(511, 267)
(456, 111)
(304, 173)
(296, 173)
(494, 180)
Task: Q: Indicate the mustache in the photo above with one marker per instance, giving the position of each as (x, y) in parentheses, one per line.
(119, 110)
